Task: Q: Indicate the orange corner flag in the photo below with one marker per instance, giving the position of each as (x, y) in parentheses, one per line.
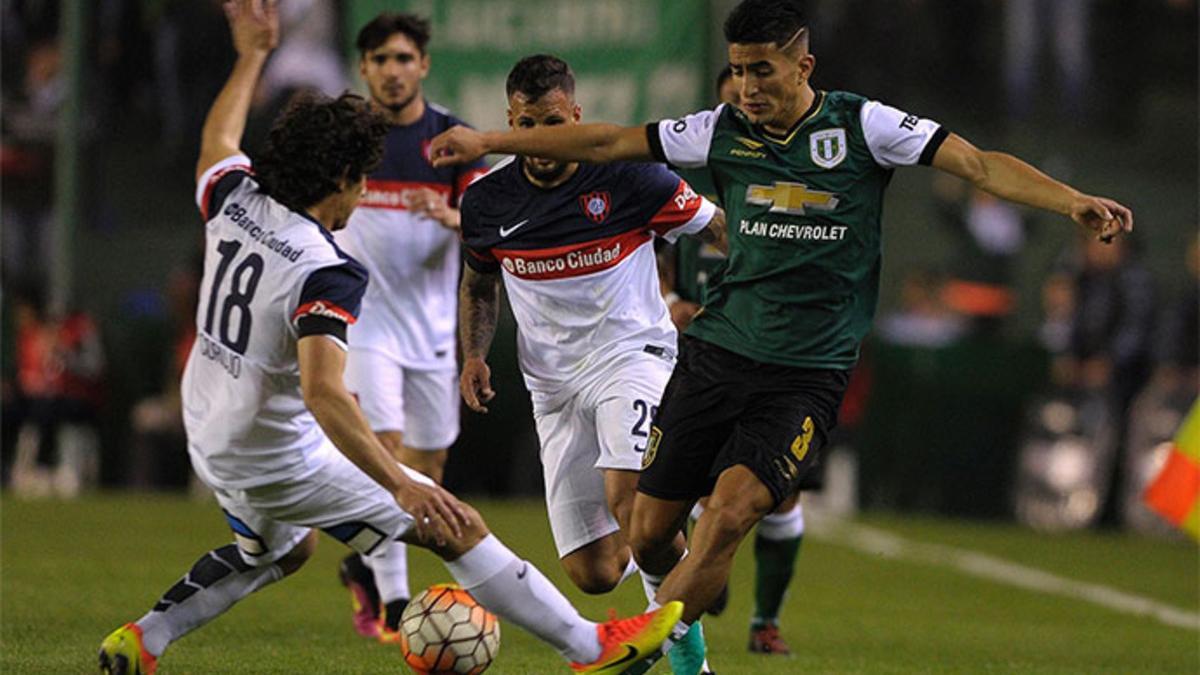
(1175, 492)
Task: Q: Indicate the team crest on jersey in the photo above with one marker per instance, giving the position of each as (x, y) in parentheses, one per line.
(595, 205)
(828, 147)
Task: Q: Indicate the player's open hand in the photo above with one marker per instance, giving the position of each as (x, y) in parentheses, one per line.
(457, 145)
(475, 384)
(1103, 216)
(254, 24)
(437, 513)
(433, 204)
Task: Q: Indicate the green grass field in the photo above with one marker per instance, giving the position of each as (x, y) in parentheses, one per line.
(879, 595)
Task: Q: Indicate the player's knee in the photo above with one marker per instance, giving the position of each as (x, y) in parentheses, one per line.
(595, 571)
(594, 579)
(472, 533)
(300, 553)
(731, 520)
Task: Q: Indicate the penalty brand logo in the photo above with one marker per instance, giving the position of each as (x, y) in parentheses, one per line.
(595, 205)
(791, 198)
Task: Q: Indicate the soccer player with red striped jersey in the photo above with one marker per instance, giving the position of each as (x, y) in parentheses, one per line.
(573, 244)
(401, 366)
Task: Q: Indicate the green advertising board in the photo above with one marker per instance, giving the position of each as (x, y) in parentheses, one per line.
(634, 60)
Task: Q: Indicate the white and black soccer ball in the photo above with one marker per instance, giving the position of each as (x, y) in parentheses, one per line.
(444, 630)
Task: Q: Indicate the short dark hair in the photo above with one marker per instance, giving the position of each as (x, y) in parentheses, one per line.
(387, 24)
(534, 76)
(764, 21)
(315, 143)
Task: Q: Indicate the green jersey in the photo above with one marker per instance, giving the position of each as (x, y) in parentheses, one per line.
(802, 279)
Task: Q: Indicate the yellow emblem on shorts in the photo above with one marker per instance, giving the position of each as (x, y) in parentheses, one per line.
(800, 445)
(651, 446)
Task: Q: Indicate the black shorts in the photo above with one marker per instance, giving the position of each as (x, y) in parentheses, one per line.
(721, 409)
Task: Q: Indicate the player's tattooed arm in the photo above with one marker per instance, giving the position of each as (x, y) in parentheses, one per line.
(714, 232)
(478, 312)
(1010, 178)
(255, 28)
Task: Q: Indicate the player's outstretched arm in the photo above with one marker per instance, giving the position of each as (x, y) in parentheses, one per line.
(594, 143)
(255, 28)
(322, 364)
(1010, 178)
(478, 312)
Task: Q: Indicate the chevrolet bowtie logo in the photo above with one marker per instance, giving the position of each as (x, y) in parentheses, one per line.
(791, 198)
(749, 143)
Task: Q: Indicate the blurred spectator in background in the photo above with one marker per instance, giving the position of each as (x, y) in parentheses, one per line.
(1062, 26)
(1109, 350)
(60, 366)
(988, 236)
(923, 319)
(28, 124)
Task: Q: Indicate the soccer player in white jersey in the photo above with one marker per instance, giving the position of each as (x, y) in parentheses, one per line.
(271, 426)
(401, 366)
(762, 370)
(574, 246)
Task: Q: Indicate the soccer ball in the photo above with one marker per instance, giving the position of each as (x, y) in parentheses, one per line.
(444, 630)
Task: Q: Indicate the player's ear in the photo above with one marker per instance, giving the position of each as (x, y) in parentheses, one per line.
(577, 113)
(424, 64)
(362, 66)
(805, 67)
(509, 113)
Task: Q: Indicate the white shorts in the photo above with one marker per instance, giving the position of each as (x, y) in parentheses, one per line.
(605, 425)
(268, 521)
(421, 404)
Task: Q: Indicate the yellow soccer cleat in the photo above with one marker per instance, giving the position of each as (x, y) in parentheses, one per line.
(122, 653)
(625, 642)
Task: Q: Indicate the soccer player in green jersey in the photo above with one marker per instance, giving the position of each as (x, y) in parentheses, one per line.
(761, 371)
(684, 268)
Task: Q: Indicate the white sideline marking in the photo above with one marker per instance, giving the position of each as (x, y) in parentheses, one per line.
(888, 545)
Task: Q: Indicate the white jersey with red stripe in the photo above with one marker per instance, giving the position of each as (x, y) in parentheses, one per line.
(410, 309)
(578, 261)
(271, 276)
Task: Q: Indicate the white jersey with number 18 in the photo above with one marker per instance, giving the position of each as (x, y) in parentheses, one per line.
(271, 276)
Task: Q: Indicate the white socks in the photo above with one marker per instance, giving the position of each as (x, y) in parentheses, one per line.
(517, 591)
(390, 566)
(217, 580)
(782, 526)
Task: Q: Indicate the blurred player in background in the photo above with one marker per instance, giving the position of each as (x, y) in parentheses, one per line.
(402, 364)
(271, 426)
(684, 268)
(763, 368)
(573, 245)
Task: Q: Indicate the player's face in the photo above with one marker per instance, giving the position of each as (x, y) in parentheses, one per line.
(552, 109)
(394, 71)
(770, 82)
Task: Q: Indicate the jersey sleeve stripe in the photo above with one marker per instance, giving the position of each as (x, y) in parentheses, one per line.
(679, 210)
(655, 141)
(932, 146)
(323, 308)
(465, 179)
(213, 174)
